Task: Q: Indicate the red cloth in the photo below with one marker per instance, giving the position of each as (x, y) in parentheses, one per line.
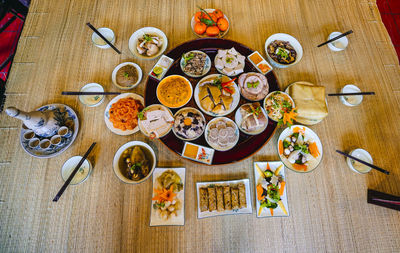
(390, 13)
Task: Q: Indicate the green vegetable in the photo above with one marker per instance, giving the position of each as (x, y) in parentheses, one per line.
(268, 173)
(253, 85)
(286, 144)
(282, 53)
(96, 97)
(126, 74)
(147, 37)
(268, 204)
(273, 193)
(141, 115)
(187, 57)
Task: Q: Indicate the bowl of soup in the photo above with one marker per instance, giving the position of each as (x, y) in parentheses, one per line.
(127, 75)
(174, 91)
(134, 162)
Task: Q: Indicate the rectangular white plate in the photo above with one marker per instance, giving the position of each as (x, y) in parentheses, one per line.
(278, 212)
(207, 214)
(155, 219)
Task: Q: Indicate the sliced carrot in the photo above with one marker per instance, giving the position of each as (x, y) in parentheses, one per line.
(300, 167)
(272, 211)
(299, 130)
(268, 168)
(314, 149)
(280, 147)
(260, 192)
(282, 188)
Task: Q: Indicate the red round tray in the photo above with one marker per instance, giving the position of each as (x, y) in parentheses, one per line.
(247, 144)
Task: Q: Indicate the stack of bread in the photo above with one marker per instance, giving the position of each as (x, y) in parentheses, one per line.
(310, 102)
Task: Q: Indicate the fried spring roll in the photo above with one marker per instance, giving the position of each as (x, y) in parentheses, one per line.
(242, 195)
(203, 195)
(212, 202)
(220, 199)
(235, 198)
(227, 198)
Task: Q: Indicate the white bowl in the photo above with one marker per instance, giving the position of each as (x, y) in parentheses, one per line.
(139, 33)
(362, 155)
(285, 37)
(107, 33)
(207, 64)
(333, 45)
(114, 75)
(270, 94)
(92, 87)
(156, 106)
(70, 165)
(189, 109)
(204, 35)
(350, 88)
(208, 129)
(118, 154)
(187, 81)
(238, 120)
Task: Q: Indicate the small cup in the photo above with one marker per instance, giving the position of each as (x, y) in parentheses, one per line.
(337, 45)
(357, 166)
(99, 42)
(28, 135)
(34, 143)
(82, 174)
(45, 144)
(351, 100)
(56, 140)
(64, 132)
(92, 100)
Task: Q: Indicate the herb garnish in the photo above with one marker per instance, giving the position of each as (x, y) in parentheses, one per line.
(282, 53)
(142, 115)
(147, 38)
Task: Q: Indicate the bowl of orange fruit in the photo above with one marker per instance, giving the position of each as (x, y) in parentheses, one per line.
(210, 23)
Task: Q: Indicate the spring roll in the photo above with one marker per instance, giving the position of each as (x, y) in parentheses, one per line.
(242, 195)
(235, 198)
(227, 197)
(203, 195)
(212, 201)
(220, 199)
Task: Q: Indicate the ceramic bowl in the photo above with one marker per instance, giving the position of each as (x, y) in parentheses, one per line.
(150, 108)
(238, 121)
(193, 110)
(118, 154)
(107, 33)
(349, 88)
(114, 75)
(334, 45)
(362, 155)
(69, 166)
(96, 99)
(166, 79)
(206, 68)
(220, 35)
(269, 95)
(285, 37)
(139, 33)
(207, 132)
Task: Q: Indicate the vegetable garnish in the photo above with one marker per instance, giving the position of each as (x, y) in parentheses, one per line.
(288, 117)
(282, 53)
(164, 195)
(142, 114)
(147, 37)
(253, 85)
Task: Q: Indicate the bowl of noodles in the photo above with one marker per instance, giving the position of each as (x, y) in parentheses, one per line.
(121, 113)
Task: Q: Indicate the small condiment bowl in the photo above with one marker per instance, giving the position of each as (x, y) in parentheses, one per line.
(87, 99)
(107, 33)
(65, 132)
(362, 155)
(114, 75)
(45, 144)
(69, 166)
(117, 170)
(337, 45)
(285, 37)
(350, 88)
(56, 140)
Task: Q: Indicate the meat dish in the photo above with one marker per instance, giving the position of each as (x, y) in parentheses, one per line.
(189, 124)
(222, 197)
(127, 76)
(222, 134)
(253, 118)
(195, 63)
(229, 62)
(253, 86)
(135, 163)
(155, 121)
(149, 44)
(282, 52)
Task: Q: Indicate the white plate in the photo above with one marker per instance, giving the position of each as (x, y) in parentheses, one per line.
(238, 120)
(139, 33)
(206, 68)
(206, 132)
(179, 220)
(285, 37)
(114, 75)
(156, 107)
(258, 179)
(107, 113)
(207, 214)
(309, 133)
(235, 102)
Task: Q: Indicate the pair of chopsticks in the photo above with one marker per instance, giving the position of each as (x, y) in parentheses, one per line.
(363, 162)
(77, 93)
(101, 36)
(336, 38)
(61, 191)
(351, 94)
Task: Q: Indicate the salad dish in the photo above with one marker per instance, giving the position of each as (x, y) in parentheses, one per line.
(300, 149)
(280, 107)
(189, 123)
(253, 86)
(270, 183)
(195, 63)
(168, 201)
(229, 62)
(222, 134)
(155, 121)
(210, 23)
(251, 118)
(223, 198)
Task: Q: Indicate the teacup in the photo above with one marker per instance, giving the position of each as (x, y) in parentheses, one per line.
(34, 142)
(28, 135)
(64, 132)
(45, 144)
(56, 140)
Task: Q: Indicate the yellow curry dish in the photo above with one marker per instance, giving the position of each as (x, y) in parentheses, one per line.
(174, 91)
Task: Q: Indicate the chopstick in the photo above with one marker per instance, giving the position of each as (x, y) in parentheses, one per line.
(336, 38)
(61, 191)
(351, 94)
(101, 36)
(88, 93)
(387, 201)
(363, 162)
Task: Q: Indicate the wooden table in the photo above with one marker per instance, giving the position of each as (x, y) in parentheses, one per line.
(328, 207)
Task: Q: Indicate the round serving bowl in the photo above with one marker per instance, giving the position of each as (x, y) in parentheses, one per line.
(238, 121)
(147, 30)
(307, 132)
(362, 155)
(69, 166)
(114, 75)
(97, 99)
(206, 68)
(166, 79)
(193, 110)
(220, 35)
(269, 95)
(207, 130)
(154, 107)
(117, 170)
(285, 37)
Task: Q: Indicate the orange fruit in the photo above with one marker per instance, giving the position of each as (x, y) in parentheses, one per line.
(222, 24)
(200, 28)
(197, 16)
(218, 13)
(212, 31)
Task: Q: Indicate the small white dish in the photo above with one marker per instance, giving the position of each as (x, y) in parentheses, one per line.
(337, 45)
(357, 166)
(238, 121)
(109, 124)
(28, 135)
(33, 143)
(82, 174)
(45, 144)
(206, 68)
(189, 109)
(92, 100)
(285, 37)
(114, 75)
(207, 133)
(351, 100)
(56, 140)
(141, 32)
(118, 154)
(107, 33)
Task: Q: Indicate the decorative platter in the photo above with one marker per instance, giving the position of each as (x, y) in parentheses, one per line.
(247, 144)
(65, 116)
